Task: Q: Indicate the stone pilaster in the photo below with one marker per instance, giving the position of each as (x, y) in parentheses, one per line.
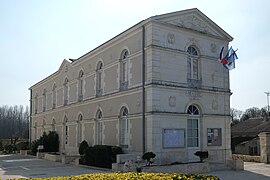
(265, 146)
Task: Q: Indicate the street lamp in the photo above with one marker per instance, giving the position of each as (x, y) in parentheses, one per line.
(267, 96)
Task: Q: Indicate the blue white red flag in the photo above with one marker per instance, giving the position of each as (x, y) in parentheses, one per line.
(228, 61)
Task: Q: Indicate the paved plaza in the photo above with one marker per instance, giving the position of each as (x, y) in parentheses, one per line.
(15, 166)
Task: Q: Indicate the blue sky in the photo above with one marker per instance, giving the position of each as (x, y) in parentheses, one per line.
(35, 36)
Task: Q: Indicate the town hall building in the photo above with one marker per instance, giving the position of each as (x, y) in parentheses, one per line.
(158, 86)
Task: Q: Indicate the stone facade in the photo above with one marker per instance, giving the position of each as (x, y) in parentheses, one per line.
(157, 86)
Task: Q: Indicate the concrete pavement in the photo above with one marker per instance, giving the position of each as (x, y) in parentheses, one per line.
(15, 166)
(253, 171)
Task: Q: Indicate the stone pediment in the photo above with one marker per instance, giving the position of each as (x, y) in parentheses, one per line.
(194, 19)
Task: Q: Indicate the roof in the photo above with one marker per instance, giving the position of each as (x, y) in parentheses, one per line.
(191, 19)
(251, 127)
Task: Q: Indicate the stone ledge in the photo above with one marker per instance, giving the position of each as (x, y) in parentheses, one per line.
(237, 165)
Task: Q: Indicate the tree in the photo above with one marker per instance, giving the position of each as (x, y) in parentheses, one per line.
(236, 115)
(252, 112)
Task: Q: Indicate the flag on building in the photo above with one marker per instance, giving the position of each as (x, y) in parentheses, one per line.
(228, 61)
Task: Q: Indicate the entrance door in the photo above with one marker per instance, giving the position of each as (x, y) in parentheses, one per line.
(193, 143)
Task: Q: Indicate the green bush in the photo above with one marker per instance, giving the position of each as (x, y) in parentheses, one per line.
(1, 146)
(116, 150)
(82, 147)
(22, 145)
(101, 155)
(148, 156)
(9, 148)
(50, 142)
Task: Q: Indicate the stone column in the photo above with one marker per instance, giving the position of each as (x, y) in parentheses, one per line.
(265, 147)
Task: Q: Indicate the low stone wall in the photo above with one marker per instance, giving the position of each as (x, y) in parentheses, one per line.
(53, 157)
(189, 168)
(246, 158)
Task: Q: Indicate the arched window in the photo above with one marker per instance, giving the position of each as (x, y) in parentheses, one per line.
(66, 129)
(192, 63)
(99, 79)
(124, 131)
(80, 86)
(99, 128)
(193, 126)
(193, 110)
(36, 103)
(66, 92)
(43, 126)
(80, 129)
(54, 96)
(53, 124)
(124, 70)
(44, 100)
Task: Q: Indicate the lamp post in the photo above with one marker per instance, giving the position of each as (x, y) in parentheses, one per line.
(267, 96)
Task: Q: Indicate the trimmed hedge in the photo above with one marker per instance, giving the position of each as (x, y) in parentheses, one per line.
(100, 155)
(138, 176)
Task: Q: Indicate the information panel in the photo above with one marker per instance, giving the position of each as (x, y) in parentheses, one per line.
(173, 138)
(214, 137)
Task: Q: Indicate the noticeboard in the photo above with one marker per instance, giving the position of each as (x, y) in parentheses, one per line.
(214, 137)
(173, 138)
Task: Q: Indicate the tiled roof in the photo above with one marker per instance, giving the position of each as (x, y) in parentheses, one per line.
(251, 127)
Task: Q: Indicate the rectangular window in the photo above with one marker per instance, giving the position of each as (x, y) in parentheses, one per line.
(193, 133)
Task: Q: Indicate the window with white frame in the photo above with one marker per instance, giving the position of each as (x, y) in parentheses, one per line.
(99, 73)
(124, 70)
(193, 126)
(44, 100)
(80, 129)
(80, 86)
(99, 128)
(54, 96)
(53, 124)
(192, 63)
(66, 129)
(124, 131)
(36, 103)
(66, 92)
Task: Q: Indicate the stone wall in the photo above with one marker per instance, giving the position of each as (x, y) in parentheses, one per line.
(246, 158)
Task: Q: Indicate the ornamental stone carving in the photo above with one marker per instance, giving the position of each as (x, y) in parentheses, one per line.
(213, 48)
(171, 38)
(215, 104)
(193, 95)
(172, 101)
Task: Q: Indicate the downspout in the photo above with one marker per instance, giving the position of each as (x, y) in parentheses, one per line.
(30, 119)
(143, 91)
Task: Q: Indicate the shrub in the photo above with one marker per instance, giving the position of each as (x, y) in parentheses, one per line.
(1, 146)
(83, 146)
(202, 155)
(100, 155)
(22, 145)
(9, 148)
(88, 158)
(148, 156)
(50, 142)
(116, 150)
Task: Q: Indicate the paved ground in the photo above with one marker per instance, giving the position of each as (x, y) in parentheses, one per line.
(15, 166)
(253, 171)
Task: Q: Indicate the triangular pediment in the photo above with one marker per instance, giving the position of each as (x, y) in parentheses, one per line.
(64, 66)
(194, 19)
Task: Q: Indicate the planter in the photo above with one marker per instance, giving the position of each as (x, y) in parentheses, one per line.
(53, 157)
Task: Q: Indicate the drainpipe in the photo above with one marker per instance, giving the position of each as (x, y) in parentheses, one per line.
(30, 119)
(143, 90)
